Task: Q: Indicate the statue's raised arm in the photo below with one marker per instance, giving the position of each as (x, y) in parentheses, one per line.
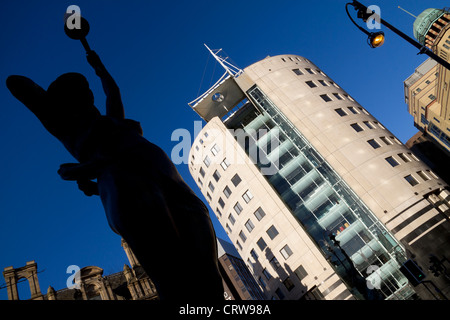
(114, 106)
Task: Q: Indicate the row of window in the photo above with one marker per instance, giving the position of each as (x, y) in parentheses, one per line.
(337, 96)
(367, 125)
(387, 141)
(439, 134)
(406, 158)
(299, 72)
(350, 110)
(425, 176)
(293, 59)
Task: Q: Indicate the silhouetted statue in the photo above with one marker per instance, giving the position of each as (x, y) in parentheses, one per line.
(145, 199)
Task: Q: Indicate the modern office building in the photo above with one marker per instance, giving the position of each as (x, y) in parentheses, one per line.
(426, 90)
(318, 197)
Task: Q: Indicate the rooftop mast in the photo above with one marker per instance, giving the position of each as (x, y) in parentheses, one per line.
(229, 68)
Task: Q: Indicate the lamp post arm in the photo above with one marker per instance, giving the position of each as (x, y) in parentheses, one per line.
(423, 49)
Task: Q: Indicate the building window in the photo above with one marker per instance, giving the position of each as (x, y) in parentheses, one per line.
(221, 203)
(288, 284)
(412, 156)
(249, 225)
(356, 127)
(211, 186)
(202, 172)
(272, 232)
(325, 97)
(404, 157)
(368, 125)
(309, 71)
(261, 244)
(228, 228)
(392, 161)
(259, 213)
(286, 252)
(323, 83)
(242, 236)
(279, 294)
(254, 254)
(340, 112)
(207, 161)
(238, 208)
(348, 97)
(261, 282)
(373, 143)
(218, 212)
(247, 196)
(300, 272)
(232, 219)
(208, 196)
(297, 72)
(216, 175)
(236, 180)
(227, 192)
(423, 175)
(432, 174)
(238, 245)
(432, 96)
(225, 164)
(215, 149)
(267, 274)
(311, 84)
(338, 96)
(396, 140)
(200, 182)
(353, 110)
(412, 181)
(274, 263)
(386, 141)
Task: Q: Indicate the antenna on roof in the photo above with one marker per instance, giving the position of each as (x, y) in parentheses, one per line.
(229, 68)
(407, 12)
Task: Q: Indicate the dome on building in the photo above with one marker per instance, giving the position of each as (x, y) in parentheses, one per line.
(424, 22)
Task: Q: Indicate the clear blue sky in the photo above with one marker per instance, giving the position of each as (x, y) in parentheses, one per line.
(154, 50)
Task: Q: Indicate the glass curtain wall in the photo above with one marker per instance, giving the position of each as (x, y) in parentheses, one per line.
(360, 249)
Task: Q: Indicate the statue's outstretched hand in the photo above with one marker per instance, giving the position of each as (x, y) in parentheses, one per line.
(68, 171)
(89, 187)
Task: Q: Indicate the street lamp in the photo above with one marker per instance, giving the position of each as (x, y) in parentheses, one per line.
(376, 39)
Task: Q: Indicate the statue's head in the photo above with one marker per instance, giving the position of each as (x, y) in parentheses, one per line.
(66, 109)
(71, 94)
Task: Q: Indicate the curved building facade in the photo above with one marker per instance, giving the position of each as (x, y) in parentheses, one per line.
(319, 198)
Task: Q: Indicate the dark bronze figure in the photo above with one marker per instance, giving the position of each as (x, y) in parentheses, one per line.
(145, 199)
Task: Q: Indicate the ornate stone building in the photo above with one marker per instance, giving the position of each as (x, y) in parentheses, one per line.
(130, 284)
